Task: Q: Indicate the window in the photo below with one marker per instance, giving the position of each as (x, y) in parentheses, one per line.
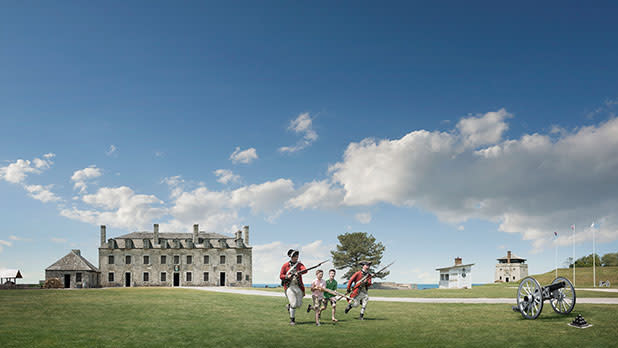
(110, 276)
(247, 277)
(206, 259)
(78, 277)
(238, 276)
(239, 259)
(110, 259)
(176, 260)
(146, 260)
(205, 276)
(146, 276)
(163, 276)
(189, 259)
(127, 259)
(222, 260)
(188, 276)
(163, 259)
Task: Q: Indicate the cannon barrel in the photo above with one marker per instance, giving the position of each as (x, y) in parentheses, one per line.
(555, 286)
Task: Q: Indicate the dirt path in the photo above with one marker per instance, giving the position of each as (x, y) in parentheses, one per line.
(590, 300)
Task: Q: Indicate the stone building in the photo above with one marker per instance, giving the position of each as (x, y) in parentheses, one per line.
(510, 268)
(74, 271)
(458, 276)
(176, 259)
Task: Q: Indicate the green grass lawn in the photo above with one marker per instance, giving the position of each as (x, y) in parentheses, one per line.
(583, 276)
(489, 290)
(157, 317)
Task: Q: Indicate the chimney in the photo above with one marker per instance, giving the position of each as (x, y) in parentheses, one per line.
(76, 252)
(457, 261)
(103, 238)
(156, 234)
(508, 256)
(196, 230)
(245, 230)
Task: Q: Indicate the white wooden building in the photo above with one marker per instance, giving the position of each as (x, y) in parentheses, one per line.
(458, 276)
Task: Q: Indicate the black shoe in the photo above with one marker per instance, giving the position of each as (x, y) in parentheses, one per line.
(347, 309)
(292, 321)
(308, 308)
(361, 317)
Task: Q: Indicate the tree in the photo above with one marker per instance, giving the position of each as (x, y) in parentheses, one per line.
(586, 261)
(568, 262)
(356, 247)
(610, 259)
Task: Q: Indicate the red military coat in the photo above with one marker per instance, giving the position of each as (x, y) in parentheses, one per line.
(284, 271)
(356, 277)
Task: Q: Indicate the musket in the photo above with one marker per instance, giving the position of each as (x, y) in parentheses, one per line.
(336, 293)
(293, 272)
(365, 278)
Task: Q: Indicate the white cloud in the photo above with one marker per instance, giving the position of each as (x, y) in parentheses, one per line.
(112, 150)
(17, 171)
(363, 218)
(226, 176)
(460, 228)
(270, 257)
(212, 210)
(244, 156)
(4, 243)
(316, 195)
(118, 207)
(15, 238)
(527, 185)
(483, 129)
(41, 193)
(303, 124)
(81, 176)
(58, 240)
(268, 197)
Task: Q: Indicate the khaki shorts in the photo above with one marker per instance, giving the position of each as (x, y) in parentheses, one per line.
(332, 301)
(318, 303)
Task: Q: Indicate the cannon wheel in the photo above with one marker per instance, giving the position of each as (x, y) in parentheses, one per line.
(565, 303)
(530, 298)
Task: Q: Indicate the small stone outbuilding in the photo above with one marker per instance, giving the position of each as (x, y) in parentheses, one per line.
(74, 271)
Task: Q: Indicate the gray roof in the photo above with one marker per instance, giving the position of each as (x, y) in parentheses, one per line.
(10, 273)
(513, 257)
(454, 266)
(172, 235)
(72, 262)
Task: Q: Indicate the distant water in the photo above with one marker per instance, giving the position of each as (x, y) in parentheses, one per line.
(343, 286)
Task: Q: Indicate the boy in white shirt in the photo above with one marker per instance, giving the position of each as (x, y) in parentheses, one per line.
(317, 294)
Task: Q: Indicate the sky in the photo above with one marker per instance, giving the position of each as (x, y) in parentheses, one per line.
(458, 130)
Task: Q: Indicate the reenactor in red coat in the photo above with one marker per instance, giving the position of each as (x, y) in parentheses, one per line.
(359, 285)
(292, 281)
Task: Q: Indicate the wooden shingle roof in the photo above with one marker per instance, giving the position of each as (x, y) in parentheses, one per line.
(72, 261)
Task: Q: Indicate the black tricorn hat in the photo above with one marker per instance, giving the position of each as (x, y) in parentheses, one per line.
(362, 263)
(291, 252)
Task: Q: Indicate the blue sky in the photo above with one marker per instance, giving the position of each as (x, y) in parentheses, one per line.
(459, 130)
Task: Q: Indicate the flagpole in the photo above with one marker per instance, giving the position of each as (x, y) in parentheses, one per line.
(556, 256)
(573, 228)
(594, 270)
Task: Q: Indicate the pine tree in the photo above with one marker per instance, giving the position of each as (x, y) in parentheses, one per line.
(356, 247)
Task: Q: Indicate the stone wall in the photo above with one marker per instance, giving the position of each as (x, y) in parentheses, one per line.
(154, 268)
(89, 279)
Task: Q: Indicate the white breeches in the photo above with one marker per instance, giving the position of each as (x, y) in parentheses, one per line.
(295, 296)
(361, 299)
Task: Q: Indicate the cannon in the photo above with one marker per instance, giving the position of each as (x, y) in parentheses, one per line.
(530, 297)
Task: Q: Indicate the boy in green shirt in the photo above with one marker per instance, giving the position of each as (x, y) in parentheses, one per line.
(331, 284)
